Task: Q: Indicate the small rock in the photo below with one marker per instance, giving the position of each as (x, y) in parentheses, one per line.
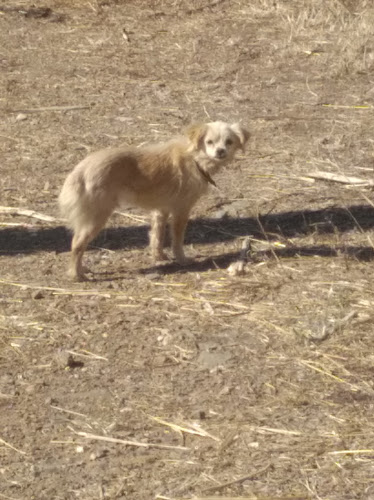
(199, 414)
(61, 358)
(237, 268)
(160, 360)
(73, 363)
(38, 295)
(30, 389)
(37, 12)
(220, 214)
(153, 276)
(51, 401)
(21, 117)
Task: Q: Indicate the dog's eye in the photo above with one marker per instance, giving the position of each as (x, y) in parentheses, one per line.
(210, 142)
(228, 142)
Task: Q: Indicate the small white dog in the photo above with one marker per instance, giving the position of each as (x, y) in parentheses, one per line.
(167, 179)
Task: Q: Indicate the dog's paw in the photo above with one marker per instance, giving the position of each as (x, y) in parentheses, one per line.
(159, 257)
(75, 276)
(185, 261)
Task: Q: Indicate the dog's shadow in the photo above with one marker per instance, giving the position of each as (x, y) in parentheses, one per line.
(15, 241)
(221, 261)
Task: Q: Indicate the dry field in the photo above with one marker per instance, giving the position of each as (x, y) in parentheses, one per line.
(190, 383)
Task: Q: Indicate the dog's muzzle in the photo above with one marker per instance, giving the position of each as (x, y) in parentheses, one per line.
(220, 153)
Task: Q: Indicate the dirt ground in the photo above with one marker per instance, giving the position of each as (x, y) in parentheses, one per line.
(189, 383)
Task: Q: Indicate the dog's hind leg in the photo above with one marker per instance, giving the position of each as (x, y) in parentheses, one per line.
(82, 237)
(79, 245)
(157, 235)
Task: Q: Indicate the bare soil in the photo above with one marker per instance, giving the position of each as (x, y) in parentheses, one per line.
(188, 383)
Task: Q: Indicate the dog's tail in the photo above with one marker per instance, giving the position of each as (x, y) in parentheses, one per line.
(73, 202)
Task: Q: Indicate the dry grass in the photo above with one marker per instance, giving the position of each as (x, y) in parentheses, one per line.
(189, 383)
(342, 32)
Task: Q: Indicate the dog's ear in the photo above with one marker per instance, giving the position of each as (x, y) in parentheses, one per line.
(196, 134)
(242, 134)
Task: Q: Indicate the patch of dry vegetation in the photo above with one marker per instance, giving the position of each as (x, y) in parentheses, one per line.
(343, 30)
(174, 383)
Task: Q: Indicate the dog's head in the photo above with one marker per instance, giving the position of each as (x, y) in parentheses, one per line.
(218, 140)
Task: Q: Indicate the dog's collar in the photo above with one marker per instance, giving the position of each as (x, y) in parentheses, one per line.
(205, 174)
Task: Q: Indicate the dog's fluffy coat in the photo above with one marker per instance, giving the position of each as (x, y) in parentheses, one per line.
(167, 179)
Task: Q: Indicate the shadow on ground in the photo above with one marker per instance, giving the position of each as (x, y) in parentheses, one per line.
(361, 253)
(204, 231)
(222, 261)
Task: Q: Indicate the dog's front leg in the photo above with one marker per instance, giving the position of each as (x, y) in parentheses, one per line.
(178, 228)
(157, 235)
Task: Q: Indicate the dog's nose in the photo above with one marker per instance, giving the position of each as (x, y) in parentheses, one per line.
(220, 153)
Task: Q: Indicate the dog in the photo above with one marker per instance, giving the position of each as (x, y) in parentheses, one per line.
(166, 179)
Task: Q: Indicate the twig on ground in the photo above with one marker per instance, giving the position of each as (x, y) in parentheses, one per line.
(8, 497)
(203, 7)
(267, 238)
(321, 369)
(297, 497)
(352, 452)
(186, 428)
(57, 291)
(68, 411)
(9, 138)
(19, 224)
(50, 108)
(6, 396)
(237, 481)
(347, 106)
(96, 437)
(135, 218)
(238, 268)
(27, 213)
(341, 178)
(5, 443)
(276, 431)
(87, 354)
